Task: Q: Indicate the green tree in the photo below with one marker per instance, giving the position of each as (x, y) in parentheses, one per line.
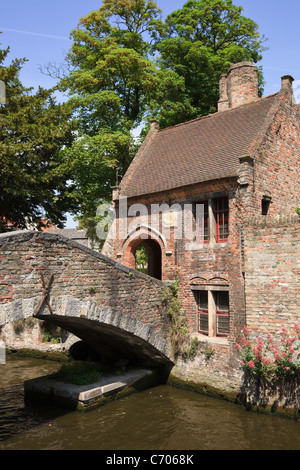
(33, 173)
(127, 65)
(200, 42)
(113, 79)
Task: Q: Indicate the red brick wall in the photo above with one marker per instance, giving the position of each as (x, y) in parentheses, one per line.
(272, 266)
(277, 160)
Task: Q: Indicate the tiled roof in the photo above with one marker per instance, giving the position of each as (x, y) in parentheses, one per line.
(201, 150)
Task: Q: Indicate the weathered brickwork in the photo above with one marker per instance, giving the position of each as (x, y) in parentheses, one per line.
(272, 267)
(239, 86)
(89, 291)
(277, 157)
(217, 264)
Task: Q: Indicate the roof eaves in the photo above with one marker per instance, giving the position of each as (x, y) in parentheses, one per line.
(180, 187)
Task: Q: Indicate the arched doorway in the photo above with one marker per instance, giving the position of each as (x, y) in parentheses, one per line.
(148, 258)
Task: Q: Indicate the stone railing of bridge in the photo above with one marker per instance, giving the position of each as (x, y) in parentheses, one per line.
(115, 309)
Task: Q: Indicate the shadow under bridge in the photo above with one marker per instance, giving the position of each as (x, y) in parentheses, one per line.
(131, 340)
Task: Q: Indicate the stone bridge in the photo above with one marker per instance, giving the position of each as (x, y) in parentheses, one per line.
(118, 311)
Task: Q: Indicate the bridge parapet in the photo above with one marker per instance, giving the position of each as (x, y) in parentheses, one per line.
(110, 306)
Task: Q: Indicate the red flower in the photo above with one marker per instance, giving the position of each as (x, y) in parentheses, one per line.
(251, 365)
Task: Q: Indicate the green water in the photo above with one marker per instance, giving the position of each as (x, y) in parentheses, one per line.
(161, 418)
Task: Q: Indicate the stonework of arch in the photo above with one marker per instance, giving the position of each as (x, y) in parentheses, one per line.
(155, 245)
(147, 231)
(209, 279)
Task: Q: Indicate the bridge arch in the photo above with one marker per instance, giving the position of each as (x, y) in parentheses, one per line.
(112, 307)
(106, 332)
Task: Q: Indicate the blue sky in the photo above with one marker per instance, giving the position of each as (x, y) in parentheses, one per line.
(40, 31)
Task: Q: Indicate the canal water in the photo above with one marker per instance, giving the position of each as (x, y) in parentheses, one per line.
(160, 418)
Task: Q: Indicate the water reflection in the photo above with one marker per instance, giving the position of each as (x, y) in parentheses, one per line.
(15, 417)
(162, 418)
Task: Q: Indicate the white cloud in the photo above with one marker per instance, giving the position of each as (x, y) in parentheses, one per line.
(32, 33)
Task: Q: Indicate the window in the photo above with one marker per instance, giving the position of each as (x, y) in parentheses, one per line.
(203, 312)
(213, 312)
(265, 205)
(215, 229)
(222, 218)
(222, 313)
(202, 225)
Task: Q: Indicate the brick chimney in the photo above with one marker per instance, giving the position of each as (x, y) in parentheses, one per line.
(239, 86)
(287, 82)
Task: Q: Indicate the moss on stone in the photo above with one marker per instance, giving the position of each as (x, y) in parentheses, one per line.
(201, 388)
(39, 354)
(233, 397)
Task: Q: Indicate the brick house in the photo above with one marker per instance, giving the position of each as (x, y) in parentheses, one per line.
(190, 188)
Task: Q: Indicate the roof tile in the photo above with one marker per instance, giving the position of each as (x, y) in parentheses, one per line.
(201, 150)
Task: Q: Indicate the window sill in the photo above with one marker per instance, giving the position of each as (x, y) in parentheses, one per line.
(205, 246)
(211, 340)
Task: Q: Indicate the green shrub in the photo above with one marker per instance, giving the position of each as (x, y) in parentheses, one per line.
(79, 373)
(268, 359)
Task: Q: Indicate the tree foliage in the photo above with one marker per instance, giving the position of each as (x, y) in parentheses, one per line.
(33, 173)
(112, 72)
(200, 42)
(113, 81)
(126, 65)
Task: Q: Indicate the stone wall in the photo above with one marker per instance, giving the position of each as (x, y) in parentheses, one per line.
(272, 269)
(92, 296)
(272, 296)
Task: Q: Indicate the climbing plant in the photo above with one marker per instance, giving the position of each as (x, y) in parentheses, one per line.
(183, 343)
